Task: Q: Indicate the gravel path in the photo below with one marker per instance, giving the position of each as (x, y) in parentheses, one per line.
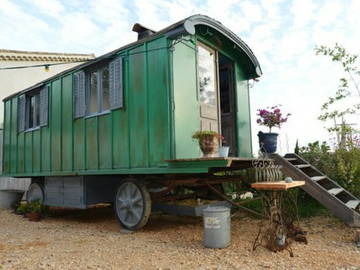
(91, 239)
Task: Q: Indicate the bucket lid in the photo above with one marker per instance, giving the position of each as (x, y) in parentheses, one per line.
(216, 209)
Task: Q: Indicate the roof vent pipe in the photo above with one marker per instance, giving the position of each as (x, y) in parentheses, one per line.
(142, 31)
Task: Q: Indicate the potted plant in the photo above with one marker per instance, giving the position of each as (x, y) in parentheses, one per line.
(270, 117)
(33, 210)
(208, 142)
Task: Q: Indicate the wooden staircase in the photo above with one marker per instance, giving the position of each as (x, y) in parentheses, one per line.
(339, 201)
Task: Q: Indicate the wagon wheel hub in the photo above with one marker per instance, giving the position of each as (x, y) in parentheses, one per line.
(130, 204)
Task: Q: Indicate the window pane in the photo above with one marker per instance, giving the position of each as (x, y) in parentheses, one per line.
(31, 111)
(105, 89)
(206, 62)
(37, 110)
(93, 97)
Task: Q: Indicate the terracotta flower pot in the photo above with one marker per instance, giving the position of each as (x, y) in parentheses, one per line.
(33, 216)
(209, 145)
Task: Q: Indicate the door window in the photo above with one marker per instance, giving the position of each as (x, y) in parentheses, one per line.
(207, 81)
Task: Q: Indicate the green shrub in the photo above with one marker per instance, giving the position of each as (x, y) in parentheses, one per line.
(341, 165)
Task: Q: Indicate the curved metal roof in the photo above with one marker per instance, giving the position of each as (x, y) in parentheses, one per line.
(205, 20)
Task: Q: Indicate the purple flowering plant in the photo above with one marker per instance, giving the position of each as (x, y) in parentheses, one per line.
(271, 117)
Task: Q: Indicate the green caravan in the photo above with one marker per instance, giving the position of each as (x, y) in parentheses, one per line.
(118, 128)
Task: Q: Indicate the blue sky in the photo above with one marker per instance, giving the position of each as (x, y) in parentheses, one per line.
(282, 34)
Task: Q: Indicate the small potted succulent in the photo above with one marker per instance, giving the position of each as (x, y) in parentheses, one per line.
(270, 117)
(208, 142)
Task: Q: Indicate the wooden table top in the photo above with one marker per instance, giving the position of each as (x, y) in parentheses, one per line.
(280, 185)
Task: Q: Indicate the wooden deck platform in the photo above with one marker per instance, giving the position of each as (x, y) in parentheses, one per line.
(280, 185)
(215, 162)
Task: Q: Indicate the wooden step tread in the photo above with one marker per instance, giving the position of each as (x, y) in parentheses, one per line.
(352, 204)
(318, 178)
(300, 166)
(335, 191)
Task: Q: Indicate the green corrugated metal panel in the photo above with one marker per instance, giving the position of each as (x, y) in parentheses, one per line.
(28, 152)
(243, 114)
(158, 103)
(67, 124)
(45, 148)
(36, 154)
(21, 153)
(120, 139)
(79, 144)
(138, 108)
(92, 158)
(13, 139)
(187, 115)
(55, 125)
(104, 139)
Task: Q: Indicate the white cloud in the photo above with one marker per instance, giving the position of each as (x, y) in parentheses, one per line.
(282, 34)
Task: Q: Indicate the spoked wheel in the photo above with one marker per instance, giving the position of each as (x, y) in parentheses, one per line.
(35, 193)
(132, 205)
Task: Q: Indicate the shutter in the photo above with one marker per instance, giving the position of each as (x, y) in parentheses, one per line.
(116, 83)
(79, 94)
(44, 106)
(21, 113)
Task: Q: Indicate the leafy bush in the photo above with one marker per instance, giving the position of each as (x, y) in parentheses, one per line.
(341, 165)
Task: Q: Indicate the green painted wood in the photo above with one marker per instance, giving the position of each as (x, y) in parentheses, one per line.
(28, 152)
(159, 126)
(186, 116)
(67, 124)
(79, 144)
(7, 137)
(120, 139)
(36, 154)
(13, 139)
(45, 149)
(55, 126)
(92, 158)
(104, 141)
(138, 109)
(243, 114)
(160, 114)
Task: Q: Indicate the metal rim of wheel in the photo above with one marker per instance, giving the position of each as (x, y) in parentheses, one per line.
(35, 193)
(132, 205)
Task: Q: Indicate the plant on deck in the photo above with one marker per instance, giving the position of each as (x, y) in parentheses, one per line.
(271, 117)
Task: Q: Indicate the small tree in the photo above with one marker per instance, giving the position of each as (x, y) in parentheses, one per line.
(348, 87)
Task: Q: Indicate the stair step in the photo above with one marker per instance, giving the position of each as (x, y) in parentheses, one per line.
(291, 159)
(352, 204)
(318, 178)
(301, 166)
(335, 191)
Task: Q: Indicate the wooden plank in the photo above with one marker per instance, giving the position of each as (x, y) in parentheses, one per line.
(301, 166)
(335, 191)
(352, 204)
(104, 141)
(55, 125)
(281, 185)
(318, 178)
(67, 124)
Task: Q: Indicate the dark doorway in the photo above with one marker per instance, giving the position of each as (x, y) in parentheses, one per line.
(227, 103)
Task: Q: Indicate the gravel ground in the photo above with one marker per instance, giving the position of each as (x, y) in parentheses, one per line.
(91, 239)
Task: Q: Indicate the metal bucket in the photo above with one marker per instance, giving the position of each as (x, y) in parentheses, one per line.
(217, 233)
(9, 198)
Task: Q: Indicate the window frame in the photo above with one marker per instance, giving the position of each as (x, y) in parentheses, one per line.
(98, 70)
(28, 97)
